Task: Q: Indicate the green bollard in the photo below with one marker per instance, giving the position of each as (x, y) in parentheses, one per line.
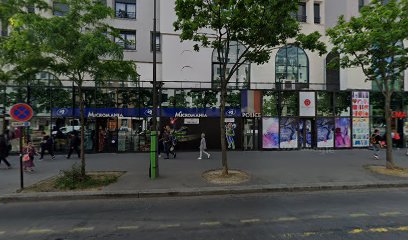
(154, 169)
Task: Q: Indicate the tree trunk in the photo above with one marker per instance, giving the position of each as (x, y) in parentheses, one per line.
(82, 119)
(389, 158)
(223, 135)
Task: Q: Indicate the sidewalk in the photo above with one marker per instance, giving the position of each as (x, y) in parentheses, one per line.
(269, 170)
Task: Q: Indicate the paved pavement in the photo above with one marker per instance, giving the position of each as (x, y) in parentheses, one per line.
(269, 170)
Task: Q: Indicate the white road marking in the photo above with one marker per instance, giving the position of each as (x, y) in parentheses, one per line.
(210, 223)
(387, 214)
(250, 220)
(356, 215)
(83, 229)
(285, 219)
(170, 225)
(127, 227)
(39, 231)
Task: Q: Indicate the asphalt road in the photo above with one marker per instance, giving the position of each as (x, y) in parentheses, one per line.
(374, 214)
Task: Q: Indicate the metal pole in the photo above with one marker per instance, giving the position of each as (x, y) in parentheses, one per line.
(21, 160)
(154, 163)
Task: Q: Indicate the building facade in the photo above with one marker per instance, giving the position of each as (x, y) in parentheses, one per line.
(294, 101)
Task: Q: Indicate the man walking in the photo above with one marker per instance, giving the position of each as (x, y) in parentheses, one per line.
(376, 142)
(4, 152)
(47, 145)
(74, 145)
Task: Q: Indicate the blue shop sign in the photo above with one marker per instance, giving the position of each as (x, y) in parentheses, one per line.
(145, 112)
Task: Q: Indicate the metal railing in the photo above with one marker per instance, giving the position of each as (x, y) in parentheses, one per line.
(301, 18)
(317, 20)
(124, 14)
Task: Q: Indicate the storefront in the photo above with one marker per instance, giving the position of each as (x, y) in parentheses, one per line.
(118, 119)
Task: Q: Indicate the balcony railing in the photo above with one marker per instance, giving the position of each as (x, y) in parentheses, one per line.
(317, 20)
(301, 18)
(124, 14)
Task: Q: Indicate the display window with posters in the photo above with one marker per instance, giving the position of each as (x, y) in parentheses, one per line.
(342, 133)
(270, 133)
(288, 133)
(325, 132)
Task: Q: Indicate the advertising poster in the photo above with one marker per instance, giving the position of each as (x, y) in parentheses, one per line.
(325, 132)
(361, 104)
(270, 133)
(305, 133)
(288, 133)
(307, 104)
(342, 133)
(361, 132)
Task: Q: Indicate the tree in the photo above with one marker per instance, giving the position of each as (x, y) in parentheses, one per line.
(77, 45)
(259, 26)
(373, 42)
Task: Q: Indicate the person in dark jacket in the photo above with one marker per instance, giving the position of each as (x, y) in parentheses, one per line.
(4, 151)
(74, 143)
(376, 140)
(47, 145)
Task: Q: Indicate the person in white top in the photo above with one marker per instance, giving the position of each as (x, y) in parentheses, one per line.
(203, 147)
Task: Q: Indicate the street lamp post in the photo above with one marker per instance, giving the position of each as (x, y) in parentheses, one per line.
(154, 161)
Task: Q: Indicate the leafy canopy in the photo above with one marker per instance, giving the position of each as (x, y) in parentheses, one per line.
(373, 41)
(77, 45)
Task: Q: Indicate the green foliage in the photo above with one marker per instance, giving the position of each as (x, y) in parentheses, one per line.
(373, 42)
(270, 103)
(203, 99)
(73, 179)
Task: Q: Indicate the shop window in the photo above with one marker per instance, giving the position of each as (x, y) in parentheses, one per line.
(292, 68)
(203, 99)
(377, 102)
(342, 105)
(127, 40)
(125, 9)
(288, 104)
(269, 106)
(325, 104)
(241, 77)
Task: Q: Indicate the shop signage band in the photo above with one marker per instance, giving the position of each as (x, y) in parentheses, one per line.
(145, 112)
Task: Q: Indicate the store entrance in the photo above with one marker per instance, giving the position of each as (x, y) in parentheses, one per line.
(251, 134)
(306, 133)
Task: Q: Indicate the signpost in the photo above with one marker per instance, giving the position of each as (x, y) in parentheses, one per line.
(21, 113)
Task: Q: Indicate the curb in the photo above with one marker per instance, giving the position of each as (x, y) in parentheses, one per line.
(193, 192)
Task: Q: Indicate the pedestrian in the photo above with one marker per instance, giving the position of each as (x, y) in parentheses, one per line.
(29, 152)
(4, 152)
(47, 145)
(160, 147)
(74, 143)
(376, 140)
(101, 139)
(203, 147)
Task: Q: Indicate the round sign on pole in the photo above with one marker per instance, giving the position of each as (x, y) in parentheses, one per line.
(21, 112)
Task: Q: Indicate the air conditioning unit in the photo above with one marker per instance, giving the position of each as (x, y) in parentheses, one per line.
(288, 85)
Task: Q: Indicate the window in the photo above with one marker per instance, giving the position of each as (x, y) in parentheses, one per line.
(316, 9)
(125, 9)
(60, 9)
(333, 71)
(360, 4)
(292, 67)
(128, 40)
(301, 14)
(31, 9)
(241, 76)
(157, 41)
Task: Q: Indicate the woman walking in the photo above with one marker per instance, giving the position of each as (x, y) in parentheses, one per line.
(28, 157)
(4, 152)
(203, 147)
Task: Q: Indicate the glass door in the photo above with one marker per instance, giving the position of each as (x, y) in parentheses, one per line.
(250, 134)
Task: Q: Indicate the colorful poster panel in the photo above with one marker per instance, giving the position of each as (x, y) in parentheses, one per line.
(361, 132)
(325, 132)
(270, 133)
(361, 104)
(305, 133)
(288, 133)
(342, 133)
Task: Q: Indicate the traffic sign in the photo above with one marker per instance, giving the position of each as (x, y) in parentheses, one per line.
(20, 124)
(21, 112)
